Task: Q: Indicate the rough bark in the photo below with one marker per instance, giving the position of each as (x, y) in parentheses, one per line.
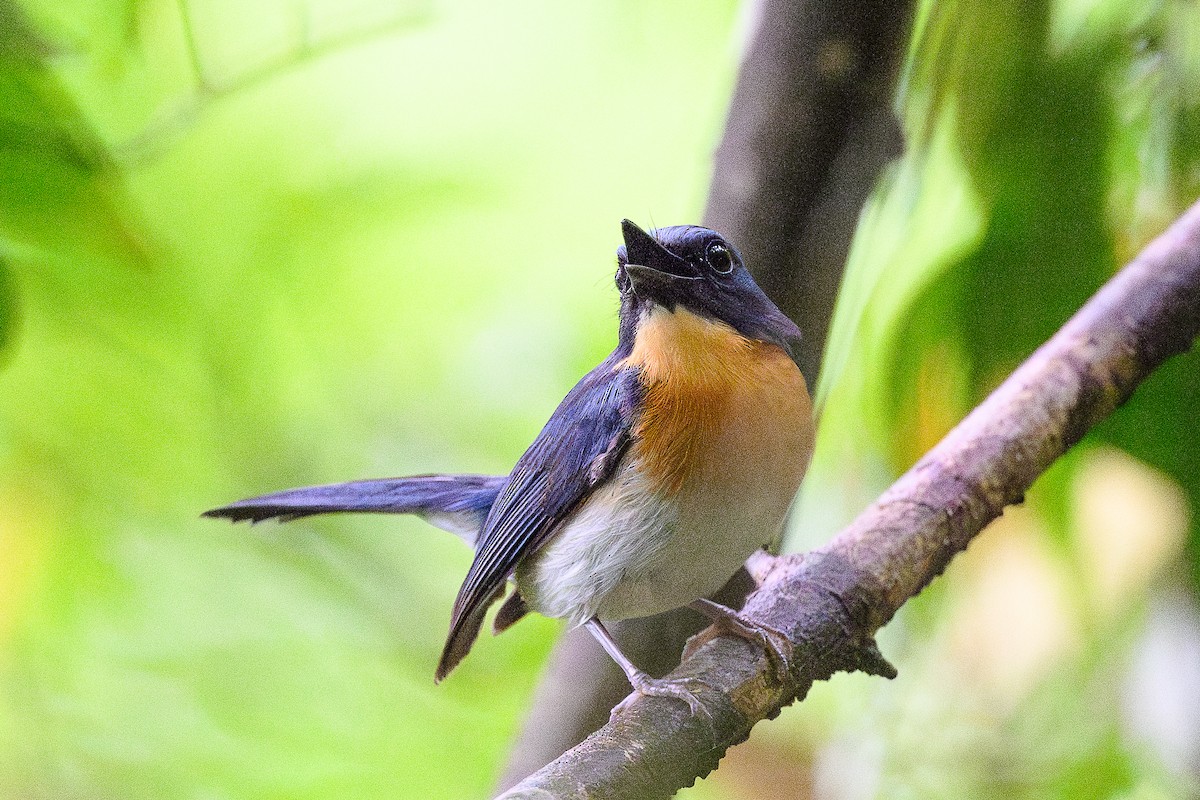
(831, 601)
(809, 129)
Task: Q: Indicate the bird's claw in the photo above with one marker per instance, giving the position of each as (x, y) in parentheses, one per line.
(678, 689)
(777, 646)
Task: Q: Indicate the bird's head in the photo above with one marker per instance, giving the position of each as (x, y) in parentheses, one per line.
(694, 268)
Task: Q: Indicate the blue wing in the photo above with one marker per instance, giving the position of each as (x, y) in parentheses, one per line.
(457, 503)
(576, 451)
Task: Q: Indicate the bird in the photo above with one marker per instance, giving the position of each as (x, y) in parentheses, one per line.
(657, 476)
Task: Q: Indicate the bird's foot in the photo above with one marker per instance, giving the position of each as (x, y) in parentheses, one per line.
(678, 689)
(777, 646)
(643, 684)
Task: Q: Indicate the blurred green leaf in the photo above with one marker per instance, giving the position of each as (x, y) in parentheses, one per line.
(260, 245)
(9, 312)
(1048, 143)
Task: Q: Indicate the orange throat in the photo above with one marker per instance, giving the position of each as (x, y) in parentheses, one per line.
(718, 406)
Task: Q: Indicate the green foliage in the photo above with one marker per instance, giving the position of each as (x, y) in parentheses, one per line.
(260, 245)
(251, 246)
(1048, 143)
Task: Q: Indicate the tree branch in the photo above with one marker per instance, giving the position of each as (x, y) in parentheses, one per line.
(831, 601)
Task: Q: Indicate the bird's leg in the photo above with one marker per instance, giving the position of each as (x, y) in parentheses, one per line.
(777, 646)
(642, 683)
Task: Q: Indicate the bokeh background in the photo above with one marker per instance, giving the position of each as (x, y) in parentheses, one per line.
(247, 246)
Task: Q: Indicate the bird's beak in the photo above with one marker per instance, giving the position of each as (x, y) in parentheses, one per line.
(643, 249)
(652, 268)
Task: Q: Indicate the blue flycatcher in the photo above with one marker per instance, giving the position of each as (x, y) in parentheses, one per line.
(654, 480)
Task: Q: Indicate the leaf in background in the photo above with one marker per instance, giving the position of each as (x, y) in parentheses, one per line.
(9, 311)
(1155, 168)
(61, 198)
(1047, 143)
(369, 254)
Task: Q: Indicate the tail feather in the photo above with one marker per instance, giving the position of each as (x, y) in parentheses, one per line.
(462, 636)
(457, 503)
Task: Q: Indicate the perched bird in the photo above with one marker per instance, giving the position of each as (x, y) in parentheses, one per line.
(654, 480)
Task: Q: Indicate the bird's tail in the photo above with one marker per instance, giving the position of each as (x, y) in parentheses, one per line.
(456, 503)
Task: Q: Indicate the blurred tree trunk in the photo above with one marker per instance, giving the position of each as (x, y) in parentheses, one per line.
(809, 129)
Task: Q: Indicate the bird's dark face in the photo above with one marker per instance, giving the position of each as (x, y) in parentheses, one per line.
(696, 269)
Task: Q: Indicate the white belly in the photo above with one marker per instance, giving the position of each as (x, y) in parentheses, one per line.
(631, 552)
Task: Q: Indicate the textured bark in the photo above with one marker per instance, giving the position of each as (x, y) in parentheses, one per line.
(831, 601)
(809, 129)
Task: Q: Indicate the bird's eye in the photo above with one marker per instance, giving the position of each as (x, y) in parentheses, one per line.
(719, 258)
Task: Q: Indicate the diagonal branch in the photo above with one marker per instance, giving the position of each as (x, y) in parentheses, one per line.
(831, 601)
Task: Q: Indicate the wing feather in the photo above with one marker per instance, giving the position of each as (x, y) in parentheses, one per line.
(576, 451)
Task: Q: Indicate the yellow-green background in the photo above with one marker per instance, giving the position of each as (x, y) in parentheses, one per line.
(246, 246)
